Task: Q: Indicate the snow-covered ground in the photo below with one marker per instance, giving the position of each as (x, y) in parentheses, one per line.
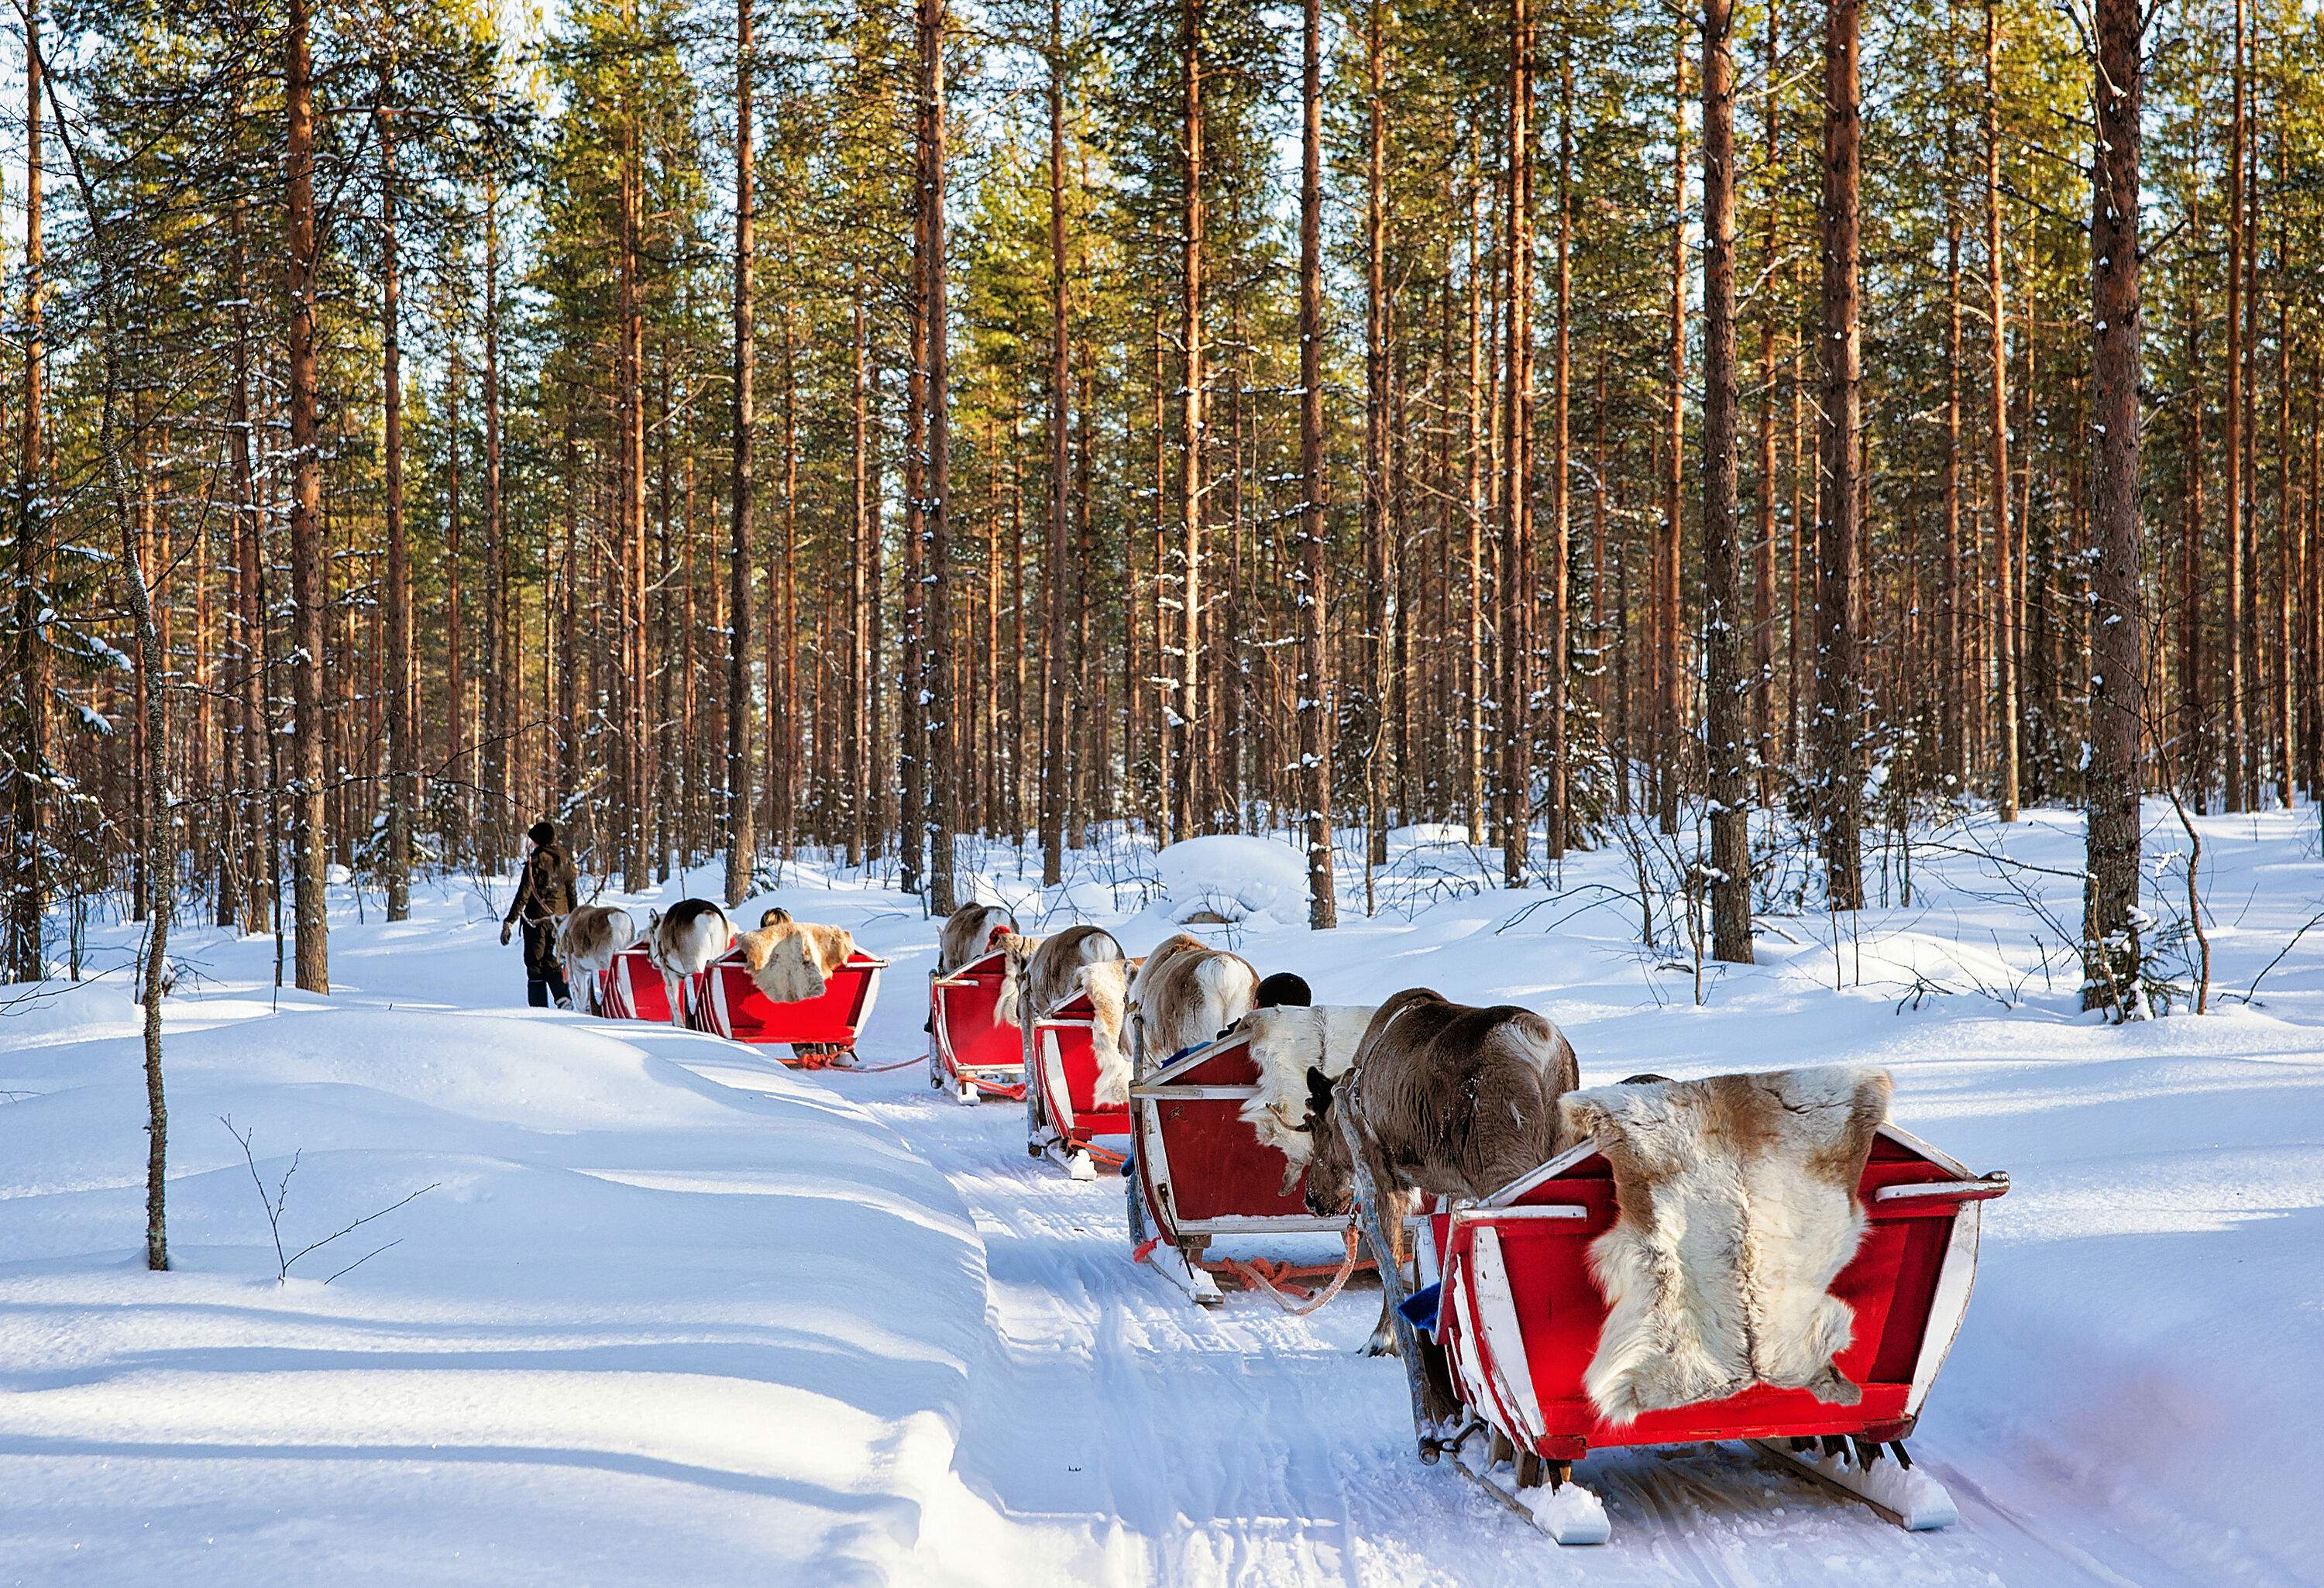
(670, 1314)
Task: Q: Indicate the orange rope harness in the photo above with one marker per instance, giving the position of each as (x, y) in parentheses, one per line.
(1278, 1280)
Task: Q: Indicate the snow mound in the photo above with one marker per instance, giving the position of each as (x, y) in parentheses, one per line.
(1255, 882)
(647, 1289)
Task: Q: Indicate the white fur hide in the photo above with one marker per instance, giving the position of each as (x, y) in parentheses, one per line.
(1107, 983)
(793, 961)
(1285, 1044)
(1017, 951)
(1738, 1210)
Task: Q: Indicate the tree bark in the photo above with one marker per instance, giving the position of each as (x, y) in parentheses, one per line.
(945, 736)
(1311, 703)
(26, 960)
(1559, 618)
(1517, 462)
(2004, 556)
(1726, 715)
(1839, 692)
(1054, 672)
(742, 846)
(402, 762)
(1186, 704)
(2110, 948)
(312, 854)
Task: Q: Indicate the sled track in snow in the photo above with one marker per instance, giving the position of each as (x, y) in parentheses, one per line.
(1149, 1441)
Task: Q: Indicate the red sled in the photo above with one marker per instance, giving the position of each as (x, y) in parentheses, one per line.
(971, 1050)
(821, 1031)
(1518, 1317)
(1202, 1173)
(1063, 1118)
(633, 988)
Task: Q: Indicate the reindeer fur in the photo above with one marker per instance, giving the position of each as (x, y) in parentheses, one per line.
(1195, 994)
(792, 960)
(592, 935)
(1736, 1210)
(967, 934)
(1285, 1043)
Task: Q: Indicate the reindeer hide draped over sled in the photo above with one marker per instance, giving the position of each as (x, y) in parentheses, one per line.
(792, 961)
(1737, 1199)
(1285, 1043)
(1107, 984)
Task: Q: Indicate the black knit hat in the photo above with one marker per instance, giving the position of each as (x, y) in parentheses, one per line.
(543, 833)
(1285, 991)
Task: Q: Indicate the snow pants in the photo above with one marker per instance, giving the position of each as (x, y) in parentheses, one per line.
(542, 975)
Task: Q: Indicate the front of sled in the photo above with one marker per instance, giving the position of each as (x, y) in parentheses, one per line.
(1065, 1122)
(1518, 1317)
(972, 1052)
(633, 988)
(821, 1031)
(1202, 1173)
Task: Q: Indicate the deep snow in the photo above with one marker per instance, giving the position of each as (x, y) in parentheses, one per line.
(673, 1313)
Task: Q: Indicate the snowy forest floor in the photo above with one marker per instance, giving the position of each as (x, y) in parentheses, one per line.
(670, 1313)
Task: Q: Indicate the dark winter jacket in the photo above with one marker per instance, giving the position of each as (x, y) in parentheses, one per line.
(550, 887)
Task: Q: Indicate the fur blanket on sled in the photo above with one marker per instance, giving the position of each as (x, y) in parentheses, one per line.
(793, 960)
(1738, 1210)
(1285, 1043)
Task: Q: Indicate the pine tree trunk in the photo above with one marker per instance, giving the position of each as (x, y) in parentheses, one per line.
(1055, 672)
(742, 846)
(1517, 462)
(28, 888)
(945, 738)
(1670, 673)
(1559, 618)
(503, 668)
(2110, 950)
(2005, 556)
(1839, 692)
(1188, 801)
(1311, 693)
(1726, 711)
(403, 765)
(312, 854)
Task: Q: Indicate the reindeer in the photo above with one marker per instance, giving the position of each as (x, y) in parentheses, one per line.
(968, 934)
(1041, 972)
(588, 940)
(682, 942)
(1185, 994)
(1442, 1099)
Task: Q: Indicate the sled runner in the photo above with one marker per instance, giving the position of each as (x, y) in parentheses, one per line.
(1518, 1316)
(972, 1052)
(823, 1029)
(1201, 1174)
(633, 988)
(1063, 1118)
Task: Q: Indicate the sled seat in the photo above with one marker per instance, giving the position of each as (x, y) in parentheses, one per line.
(970, 1046)
(730, 1004)
(1518, 1314)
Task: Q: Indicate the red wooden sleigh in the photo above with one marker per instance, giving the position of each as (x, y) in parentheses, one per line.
(1063, 1120)
(1201, 1174)
(728, 1004)
(725, 1001)
(972, 1052)
(633, 988)
(1518, 1317)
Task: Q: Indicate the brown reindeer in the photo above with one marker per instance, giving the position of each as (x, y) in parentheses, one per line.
(682, 941)
(968, 933)
(1444, 1099)
(1186, 993)
(588, 940)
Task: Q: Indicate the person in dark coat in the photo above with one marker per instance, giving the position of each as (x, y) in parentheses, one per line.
(549, 893)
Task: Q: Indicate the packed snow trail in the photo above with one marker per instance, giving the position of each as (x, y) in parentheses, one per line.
(682, 1315)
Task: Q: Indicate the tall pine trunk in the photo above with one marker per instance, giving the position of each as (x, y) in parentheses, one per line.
(741, 848)
(1726, 710)
(2110, 950)
(312, 857)
(2005, 556)
(1312, 691)
(1839, 689)
(402, 761)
